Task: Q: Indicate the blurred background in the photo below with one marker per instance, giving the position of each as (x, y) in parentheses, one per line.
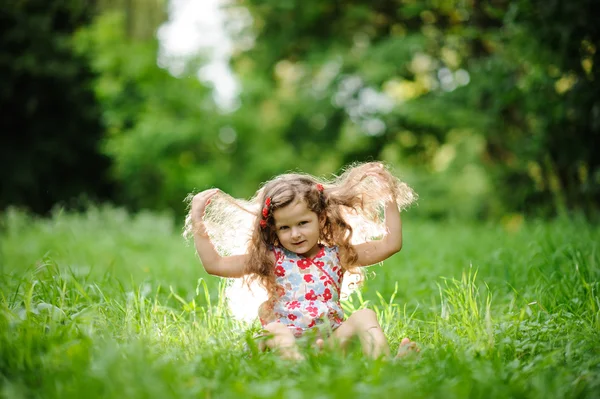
(490, 109)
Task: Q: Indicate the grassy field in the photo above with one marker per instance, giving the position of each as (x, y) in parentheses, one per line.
(104, 304)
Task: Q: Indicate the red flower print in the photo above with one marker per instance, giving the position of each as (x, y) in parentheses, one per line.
(303, 264)
(312, 324)
(314, 311)
(308, 278)
(293, 305)
(320, 264)
(325, 281)
(327, 294)
(310, 295)
(321, 253)
(279, 271)
(292, 317)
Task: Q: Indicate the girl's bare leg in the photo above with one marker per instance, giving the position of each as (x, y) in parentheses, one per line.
(363, 323)
(281, 339)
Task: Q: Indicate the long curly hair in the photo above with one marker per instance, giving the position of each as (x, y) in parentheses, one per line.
(351, 206)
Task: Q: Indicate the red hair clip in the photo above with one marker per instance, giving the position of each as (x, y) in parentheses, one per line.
(265, 213)
(319, 187)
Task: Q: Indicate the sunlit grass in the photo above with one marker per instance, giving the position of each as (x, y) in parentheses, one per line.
(105, 304)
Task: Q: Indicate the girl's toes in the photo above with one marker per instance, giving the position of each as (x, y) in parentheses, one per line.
(407, 347)
(319, 343)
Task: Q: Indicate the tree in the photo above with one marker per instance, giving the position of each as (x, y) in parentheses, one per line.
(50, 121)
(478, 95)
(163, 133)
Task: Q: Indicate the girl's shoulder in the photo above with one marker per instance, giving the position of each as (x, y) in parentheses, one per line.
(333, 249)
(279, 251)
(276, 251)
(333, 252)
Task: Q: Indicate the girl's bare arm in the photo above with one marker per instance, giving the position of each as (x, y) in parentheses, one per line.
(213, 263)
(373, 252)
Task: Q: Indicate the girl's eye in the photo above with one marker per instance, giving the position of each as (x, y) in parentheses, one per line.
(283, 227)
(301, 223)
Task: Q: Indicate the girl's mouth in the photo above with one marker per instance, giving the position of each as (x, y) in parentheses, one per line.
(298, 243)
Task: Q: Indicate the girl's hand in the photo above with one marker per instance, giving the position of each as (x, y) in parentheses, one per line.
(375, 169)
(199, 203)
(378, 171)
(215, 264)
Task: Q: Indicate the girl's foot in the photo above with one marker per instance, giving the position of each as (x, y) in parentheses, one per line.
(319, 343)
(407, 348)
(290, 353)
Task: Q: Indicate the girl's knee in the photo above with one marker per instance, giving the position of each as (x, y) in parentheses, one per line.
(275, 328)
(277, 333)
(365, 320)
(365, 315)
(281, 338)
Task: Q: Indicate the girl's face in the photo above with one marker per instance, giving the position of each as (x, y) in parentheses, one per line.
(298, 228)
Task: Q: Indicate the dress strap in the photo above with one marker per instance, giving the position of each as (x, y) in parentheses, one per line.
(331, 280)
(277, 252)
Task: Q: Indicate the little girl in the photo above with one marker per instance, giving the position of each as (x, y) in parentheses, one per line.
(304, 236)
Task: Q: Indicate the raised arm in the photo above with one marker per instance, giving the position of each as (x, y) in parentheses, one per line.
(373, 252)
(213, 263)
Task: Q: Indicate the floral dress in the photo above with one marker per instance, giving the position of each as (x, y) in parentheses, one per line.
(309, 291)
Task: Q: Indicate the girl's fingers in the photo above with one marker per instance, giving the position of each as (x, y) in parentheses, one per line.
(205, 195)
(202, 199)
(210, 195)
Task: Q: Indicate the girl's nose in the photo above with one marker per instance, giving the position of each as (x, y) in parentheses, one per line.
(295, 232)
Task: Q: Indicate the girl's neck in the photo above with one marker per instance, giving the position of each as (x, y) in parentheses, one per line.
(313, 253)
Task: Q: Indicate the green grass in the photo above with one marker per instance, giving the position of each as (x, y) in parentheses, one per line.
(105, 304)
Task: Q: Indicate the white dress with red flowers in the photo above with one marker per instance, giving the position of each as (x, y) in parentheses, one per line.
(310, 291)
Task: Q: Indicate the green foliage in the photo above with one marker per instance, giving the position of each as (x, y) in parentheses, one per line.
(50, 121)
(563, 115)
(400, 80)
(162, 131)
(109, 304)
(141, 17)
(487, 109)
